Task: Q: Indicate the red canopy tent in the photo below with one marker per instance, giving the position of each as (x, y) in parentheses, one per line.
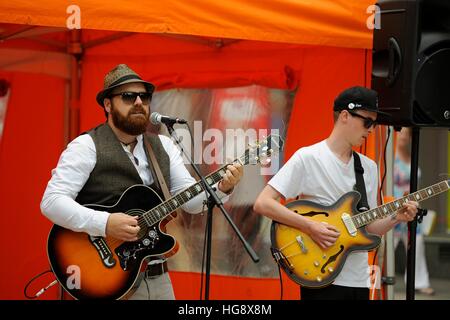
(317, 47)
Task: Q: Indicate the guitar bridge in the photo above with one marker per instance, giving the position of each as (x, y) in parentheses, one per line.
(348, 222)
(103, 251)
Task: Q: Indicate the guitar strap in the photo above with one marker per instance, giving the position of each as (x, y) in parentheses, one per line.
(157, 170)
(360, 186)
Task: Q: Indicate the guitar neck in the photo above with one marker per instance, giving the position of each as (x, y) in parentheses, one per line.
(164, 209)
(392, 207)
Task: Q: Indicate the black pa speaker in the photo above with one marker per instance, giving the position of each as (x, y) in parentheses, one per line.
(411, 62)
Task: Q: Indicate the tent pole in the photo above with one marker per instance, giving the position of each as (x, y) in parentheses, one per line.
(75, 49)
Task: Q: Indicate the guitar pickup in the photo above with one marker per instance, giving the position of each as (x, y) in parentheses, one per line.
(348, 222)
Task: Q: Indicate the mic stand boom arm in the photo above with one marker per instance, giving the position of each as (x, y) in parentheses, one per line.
(212, 200)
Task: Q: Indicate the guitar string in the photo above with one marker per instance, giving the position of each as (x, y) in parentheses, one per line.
(440, 186)
(142, 223)
(242, 160)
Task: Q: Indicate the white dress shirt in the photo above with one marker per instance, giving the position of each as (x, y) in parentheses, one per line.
(74, 168)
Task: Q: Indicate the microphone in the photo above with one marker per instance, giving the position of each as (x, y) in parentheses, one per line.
(157, 118)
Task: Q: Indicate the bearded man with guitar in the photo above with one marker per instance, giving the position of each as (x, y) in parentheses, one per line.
(105, 198)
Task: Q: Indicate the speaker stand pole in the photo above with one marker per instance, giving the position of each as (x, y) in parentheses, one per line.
(412, 226)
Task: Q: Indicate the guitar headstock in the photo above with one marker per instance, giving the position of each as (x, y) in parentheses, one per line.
(262, 151)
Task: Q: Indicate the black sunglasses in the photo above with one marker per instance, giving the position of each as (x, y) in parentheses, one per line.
(130, 97)
(368, 122)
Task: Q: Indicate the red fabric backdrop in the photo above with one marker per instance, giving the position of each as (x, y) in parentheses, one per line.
(33, 134)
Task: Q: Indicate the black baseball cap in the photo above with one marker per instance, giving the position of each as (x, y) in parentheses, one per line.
(358, 98)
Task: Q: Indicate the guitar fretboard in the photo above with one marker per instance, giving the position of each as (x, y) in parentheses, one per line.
(264, 149)
(161, 211)
(392, 207)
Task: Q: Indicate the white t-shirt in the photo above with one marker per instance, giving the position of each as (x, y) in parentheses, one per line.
(315, 173)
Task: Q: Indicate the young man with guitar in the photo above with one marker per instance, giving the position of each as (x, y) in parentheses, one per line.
(322, 174)
(100, 199)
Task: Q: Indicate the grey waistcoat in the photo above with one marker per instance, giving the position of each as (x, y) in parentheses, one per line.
(114, 173)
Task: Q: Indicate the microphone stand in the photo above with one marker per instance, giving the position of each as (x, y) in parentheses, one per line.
(212, 201)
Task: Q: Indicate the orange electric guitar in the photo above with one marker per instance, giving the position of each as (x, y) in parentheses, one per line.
(90, 267)
(309, 265)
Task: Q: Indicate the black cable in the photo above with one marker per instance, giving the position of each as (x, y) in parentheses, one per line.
(281, 282)
(384, 162)
(203, 261)
(39, 292)
(381, 188)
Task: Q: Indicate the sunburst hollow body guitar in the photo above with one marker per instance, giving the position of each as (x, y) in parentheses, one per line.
(309, 265)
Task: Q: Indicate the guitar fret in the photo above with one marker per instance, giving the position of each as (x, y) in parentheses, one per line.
(158, 213)
(356, 221)
(152, 217)
(443, 186)
(423, 194)
(155, 214)
(147, 220)
(366, 216)
(392, 207)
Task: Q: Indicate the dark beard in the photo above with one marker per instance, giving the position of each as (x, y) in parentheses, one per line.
(131, 125)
